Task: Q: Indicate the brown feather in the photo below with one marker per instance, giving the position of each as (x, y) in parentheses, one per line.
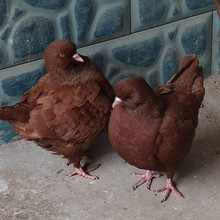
(67, 108)
(154, 129)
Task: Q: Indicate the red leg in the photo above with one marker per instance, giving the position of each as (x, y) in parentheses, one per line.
(145, 178)
(169, 187)
(82, 171)
(83, 157)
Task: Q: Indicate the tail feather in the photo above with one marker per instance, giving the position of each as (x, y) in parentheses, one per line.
(14, 113)
(185, 62)
(198, 88)
(189, 77)
(6, 114)
(189, 84)
(198, 82)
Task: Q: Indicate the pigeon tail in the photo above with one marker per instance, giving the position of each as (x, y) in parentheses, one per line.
(189, 77)
(14, 113)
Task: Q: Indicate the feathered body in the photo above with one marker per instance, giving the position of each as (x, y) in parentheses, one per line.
(154, 129)
(67, 108)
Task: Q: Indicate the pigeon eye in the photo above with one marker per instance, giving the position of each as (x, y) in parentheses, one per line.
(131, 95)
(62, 55)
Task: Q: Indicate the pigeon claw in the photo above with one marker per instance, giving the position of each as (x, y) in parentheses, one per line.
(145, 178)
(169, 187)
(84, 172)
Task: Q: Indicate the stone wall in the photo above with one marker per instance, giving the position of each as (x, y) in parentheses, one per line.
(124, 38)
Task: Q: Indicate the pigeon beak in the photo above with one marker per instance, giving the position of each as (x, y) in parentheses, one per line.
(78, 58)
(116, 102)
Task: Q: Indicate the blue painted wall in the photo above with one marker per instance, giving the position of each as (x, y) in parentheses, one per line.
(124, 38)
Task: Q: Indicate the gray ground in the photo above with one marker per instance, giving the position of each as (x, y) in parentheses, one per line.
(33, 184)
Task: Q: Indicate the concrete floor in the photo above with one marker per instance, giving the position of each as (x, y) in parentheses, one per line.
(33, 184)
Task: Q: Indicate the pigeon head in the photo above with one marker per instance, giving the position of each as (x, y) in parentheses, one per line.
(132, 92)
(61, 54)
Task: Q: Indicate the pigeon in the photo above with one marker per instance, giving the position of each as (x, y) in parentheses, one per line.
(67, 108)
(154, 129)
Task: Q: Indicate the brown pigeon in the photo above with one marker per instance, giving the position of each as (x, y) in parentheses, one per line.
(67, 108)
(154, 129)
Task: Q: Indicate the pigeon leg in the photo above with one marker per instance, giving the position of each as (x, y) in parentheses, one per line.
(169, 187)
(145, 178)
(82, 171)
(84, 157)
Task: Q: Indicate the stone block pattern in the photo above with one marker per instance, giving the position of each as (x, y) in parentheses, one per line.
(151, 13)
(124, 38)
(27, 27)
(155, 54)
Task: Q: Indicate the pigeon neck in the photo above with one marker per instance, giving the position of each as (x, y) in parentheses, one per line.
(74, 76)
